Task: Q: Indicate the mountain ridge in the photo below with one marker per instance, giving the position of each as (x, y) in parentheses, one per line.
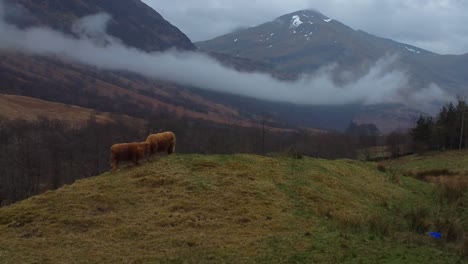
(304, 41)
(293, 25)
(132, 21)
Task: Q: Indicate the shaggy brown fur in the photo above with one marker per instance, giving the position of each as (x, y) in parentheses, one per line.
(128, 152)
(162, 142)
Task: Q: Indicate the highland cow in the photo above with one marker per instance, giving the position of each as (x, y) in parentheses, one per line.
(162, 142)
(128, 152)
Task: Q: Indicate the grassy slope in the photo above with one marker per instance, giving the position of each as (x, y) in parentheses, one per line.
(451, 160)
(28, 108)
(237, 209)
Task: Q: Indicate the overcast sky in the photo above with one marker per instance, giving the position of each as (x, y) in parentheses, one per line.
(436, 25)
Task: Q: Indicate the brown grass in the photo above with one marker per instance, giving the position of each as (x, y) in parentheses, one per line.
(451, 228)
(465, 246)
(217, 209)
(30, 109)
(37, 70)
(423, 175)
(381, 167)
(451, 188)
(451, 184)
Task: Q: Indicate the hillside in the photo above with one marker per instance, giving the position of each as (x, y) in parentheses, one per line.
(136, 96)
(30, 109)
(133, 22)
(60, 80)
(239, 208)
(450, 160)
(57, 79)
(106, 91)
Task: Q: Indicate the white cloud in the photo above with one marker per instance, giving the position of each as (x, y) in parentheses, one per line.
(379, 85)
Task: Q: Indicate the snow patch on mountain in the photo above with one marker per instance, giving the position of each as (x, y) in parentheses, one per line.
(296, 21)
(413, 50)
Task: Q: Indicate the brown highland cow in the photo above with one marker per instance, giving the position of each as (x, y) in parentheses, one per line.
(128, 152)
(162, 142)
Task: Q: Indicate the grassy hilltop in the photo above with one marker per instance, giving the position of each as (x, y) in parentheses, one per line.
(239, 209)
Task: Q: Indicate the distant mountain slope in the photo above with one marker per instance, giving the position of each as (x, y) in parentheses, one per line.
(30, 109)
(231, 209)
(306, 40)
(133, 22)
(117, 92)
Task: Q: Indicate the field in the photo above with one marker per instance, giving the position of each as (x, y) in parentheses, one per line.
(242, 209)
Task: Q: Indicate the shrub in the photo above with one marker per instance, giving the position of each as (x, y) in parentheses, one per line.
(451, 188)
(381, 168)
(294, 152)
(423, 175)
(396, 179)
(379, 226)
(418, 220)
(451, 228)
(348, 220)
(465, 246)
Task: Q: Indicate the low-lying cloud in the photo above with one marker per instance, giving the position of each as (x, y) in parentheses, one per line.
(95, 48)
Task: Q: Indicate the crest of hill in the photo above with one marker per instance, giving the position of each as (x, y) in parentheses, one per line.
(133, 22)
(212, 209)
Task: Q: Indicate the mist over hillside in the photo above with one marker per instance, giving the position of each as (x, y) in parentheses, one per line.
(95, 48)
(305, 41)
(300, 140)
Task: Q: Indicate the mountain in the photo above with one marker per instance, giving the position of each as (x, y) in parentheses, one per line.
(54, 80)
(135, 24)
(306, 40)
(240, 209)
(132, 21)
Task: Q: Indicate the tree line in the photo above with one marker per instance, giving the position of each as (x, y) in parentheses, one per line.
(45, 154)
(448, 130)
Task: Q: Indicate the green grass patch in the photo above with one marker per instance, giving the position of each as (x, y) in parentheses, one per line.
(235, 209)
